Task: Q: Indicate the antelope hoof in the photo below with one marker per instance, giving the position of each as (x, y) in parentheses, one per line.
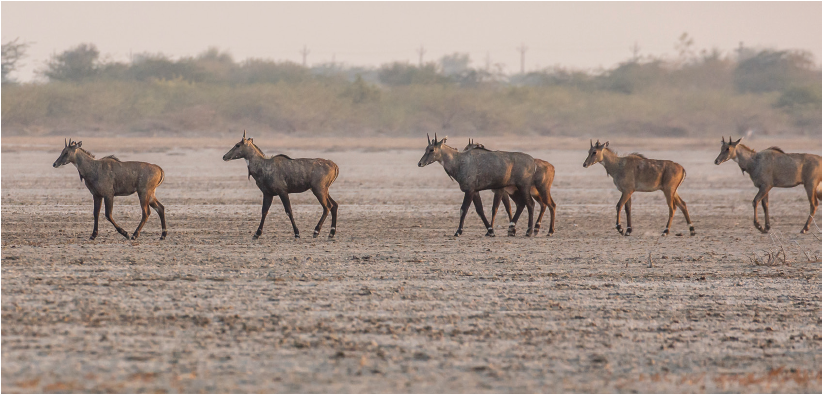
(332, 232)
(490, 233)
(529, 233)
(693, 231)
(550, 233)
(619, 228)
(122, 232)
(665, 232)
(316, 233)
(804, 231)
(93, 236)
(296, 235)
(512, 231)
(134, 237)
(628, 231)
(458, 233)
(163, 236)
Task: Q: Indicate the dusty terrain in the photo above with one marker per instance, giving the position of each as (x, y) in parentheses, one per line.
(395, 303)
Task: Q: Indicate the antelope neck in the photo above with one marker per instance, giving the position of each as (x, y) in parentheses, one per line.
(83, 162)
(610, 161)
(744, 157)
(449, 160)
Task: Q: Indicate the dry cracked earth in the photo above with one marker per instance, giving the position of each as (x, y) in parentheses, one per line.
(394, 302)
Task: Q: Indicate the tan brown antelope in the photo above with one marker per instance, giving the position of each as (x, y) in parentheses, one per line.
(774, 168)
(636, 173)
(109, 177)
(480, 169)
(543, 175)
(281, 175)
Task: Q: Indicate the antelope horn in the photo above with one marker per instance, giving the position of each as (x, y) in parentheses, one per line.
(429, 138)
(435, 137)
(592, 143)
(723, 139)
(243, 134)
(65, 142)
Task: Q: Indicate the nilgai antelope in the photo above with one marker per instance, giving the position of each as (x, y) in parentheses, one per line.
(281, 175)
(544, 175)
(109, 177)
(480, 169)
(774, 168)
(636, 173)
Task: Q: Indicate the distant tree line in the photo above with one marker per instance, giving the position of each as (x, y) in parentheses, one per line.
(442, 94)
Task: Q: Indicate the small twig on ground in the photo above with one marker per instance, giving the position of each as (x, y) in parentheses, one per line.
(817, 229)
(651, 262)
(808, 255)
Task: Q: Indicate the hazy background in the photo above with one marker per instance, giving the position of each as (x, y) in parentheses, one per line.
(580, 35)
(662, 69)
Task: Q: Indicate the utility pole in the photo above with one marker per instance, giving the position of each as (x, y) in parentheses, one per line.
(522, 49)
(305, 53)
(421, 51)
(635, 52)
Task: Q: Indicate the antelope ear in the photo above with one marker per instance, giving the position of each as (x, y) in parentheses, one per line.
(738, 141)
(442, 141)
(79, 144)
(605, 145)
(251, 140)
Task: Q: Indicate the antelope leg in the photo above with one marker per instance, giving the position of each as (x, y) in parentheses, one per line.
(763, 191)
(323, 199)
(478, 206)
(495, 206)
(669, 198)
(629, 229)
(626, 195)
(98, 201)
(287, 206)
(552, 206)
(109, 203)
(684, 208)
(519, 200)
(161, 211)
(466, 203)
(267, 199)
(334, 207)
(145, 213)
(812, 197)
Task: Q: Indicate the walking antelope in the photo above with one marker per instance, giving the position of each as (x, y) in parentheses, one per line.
(481, 169)
(281, 175)
(774, 168)
(543, 175)
(109, 177)
(635, 173)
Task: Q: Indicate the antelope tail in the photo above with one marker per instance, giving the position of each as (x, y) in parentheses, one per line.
(162, 177)
(336, 174)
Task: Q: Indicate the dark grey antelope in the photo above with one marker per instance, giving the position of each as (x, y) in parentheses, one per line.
(281, 175)
(636, 173)
(774, 168)
(543, 175)
(109, 177)
(481, 169)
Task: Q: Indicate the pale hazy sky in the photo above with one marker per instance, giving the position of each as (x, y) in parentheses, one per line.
(580, 35)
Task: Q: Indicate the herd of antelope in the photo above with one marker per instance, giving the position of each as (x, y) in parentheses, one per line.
(513, 175)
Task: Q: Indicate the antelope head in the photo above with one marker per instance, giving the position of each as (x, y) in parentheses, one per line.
(727, 151)
(433, 152)
(240, 150)
(68, 154)
(594, 153)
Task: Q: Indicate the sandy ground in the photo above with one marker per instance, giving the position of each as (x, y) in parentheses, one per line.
(395, 303)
